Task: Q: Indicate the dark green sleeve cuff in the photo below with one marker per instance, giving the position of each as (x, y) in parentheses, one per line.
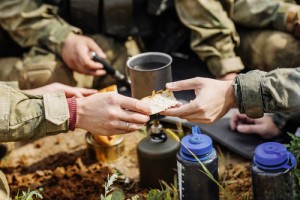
(248, 94)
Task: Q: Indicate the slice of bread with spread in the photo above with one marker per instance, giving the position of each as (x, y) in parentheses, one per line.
(160, 101)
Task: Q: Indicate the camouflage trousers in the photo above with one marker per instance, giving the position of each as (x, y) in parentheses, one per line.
(38, 67)
(268, 49)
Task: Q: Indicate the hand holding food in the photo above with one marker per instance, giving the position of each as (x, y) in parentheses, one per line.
(111, 113)
(209, 105)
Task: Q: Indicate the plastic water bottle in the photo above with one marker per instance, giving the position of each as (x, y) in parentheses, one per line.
(272, 172)
(192, 182)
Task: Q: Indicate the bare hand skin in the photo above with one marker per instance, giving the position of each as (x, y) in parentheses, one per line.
(264, 127)
(213, 99)
(228, 77)
(108, 114)
(76, 54)
(69, 91)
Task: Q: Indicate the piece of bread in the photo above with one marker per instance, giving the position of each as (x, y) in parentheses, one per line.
(106, 140)
(160, 101)
(111, 88)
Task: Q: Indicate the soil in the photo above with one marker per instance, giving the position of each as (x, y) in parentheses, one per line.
(62, 168)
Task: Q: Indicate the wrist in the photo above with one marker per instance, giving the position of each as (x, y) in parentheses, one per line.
(231, 94)
(72, 105)
(80, 112)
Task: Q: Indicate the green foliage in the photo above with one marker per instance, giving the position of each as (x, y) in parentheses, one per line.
(294, 148)
(168, 192)
(28, 195)
(135, 197)
(117, 195)
(108, 187)
(111, 193)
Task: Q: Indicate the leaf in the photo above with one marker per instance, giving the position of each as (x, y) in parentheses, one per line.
(28, 195)
(108, 197)
(118, 195)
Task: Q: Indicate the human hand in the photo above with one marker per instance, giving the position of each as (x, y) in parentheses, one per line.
(264, 127)
(228, 77)
(111, 113)
(69, 91)
(76, 54)
(213, 99)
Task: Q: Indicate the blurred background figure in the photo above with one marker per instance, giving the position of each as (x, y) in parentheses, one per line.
(231, 36)
(241, 35)
(38, 47)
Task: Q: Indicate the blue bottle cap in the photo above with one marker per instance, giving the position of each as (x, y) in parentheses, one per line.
(272, 155)
(197, 143)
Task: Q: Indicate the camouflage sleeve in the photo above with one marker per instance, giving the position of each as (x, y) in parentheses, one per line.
(30, 23)
(276, 91)
(26, 117)
(280, 15)
(213, 36)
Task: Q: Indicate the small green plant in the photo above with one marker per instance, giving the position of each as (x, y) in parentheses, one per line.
(108, 187)
(114, 194)
(167, 192)
(135, 197)
(294, 148)
(28, 195)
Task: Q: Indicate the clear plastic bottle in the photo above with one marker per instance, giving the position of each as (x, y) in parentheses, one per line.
(272, 172)
(193, 184)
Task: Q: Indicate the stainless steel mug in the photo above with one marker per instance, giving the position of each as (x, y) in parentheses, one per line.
(147, 72)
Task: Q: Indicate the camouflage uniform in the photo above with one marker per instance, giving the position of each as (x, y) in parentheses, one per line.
(30, 52)
(266, 28)
(258, 92)
(26, 117)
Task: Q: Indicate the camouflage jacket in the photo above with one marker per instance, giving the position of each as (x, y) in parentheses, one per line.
(25, 117)
(276, 91)
(32, 23)
(214, 36)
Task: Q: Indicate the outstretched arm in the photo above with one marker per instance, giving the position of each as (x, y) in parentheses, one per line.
(254, 93)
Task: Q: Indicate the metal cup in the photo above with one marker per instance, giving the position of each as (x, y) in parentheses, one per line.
(147, 72)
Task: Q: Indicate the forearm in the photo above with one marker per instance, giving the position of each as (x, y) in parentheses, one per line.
(24, 116)
(277, 91)
(264, 13)
(30, 23)
(213, 34)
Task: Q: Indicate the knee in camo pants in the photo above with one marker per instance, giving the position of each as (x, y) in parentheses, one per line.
(38, 67)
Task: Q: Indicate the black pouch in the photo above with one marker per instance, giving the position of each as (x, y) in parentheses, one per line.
(292, 124)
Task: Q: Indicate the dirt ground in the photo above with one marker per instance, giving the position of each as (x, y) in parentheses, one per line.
(62, 169)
